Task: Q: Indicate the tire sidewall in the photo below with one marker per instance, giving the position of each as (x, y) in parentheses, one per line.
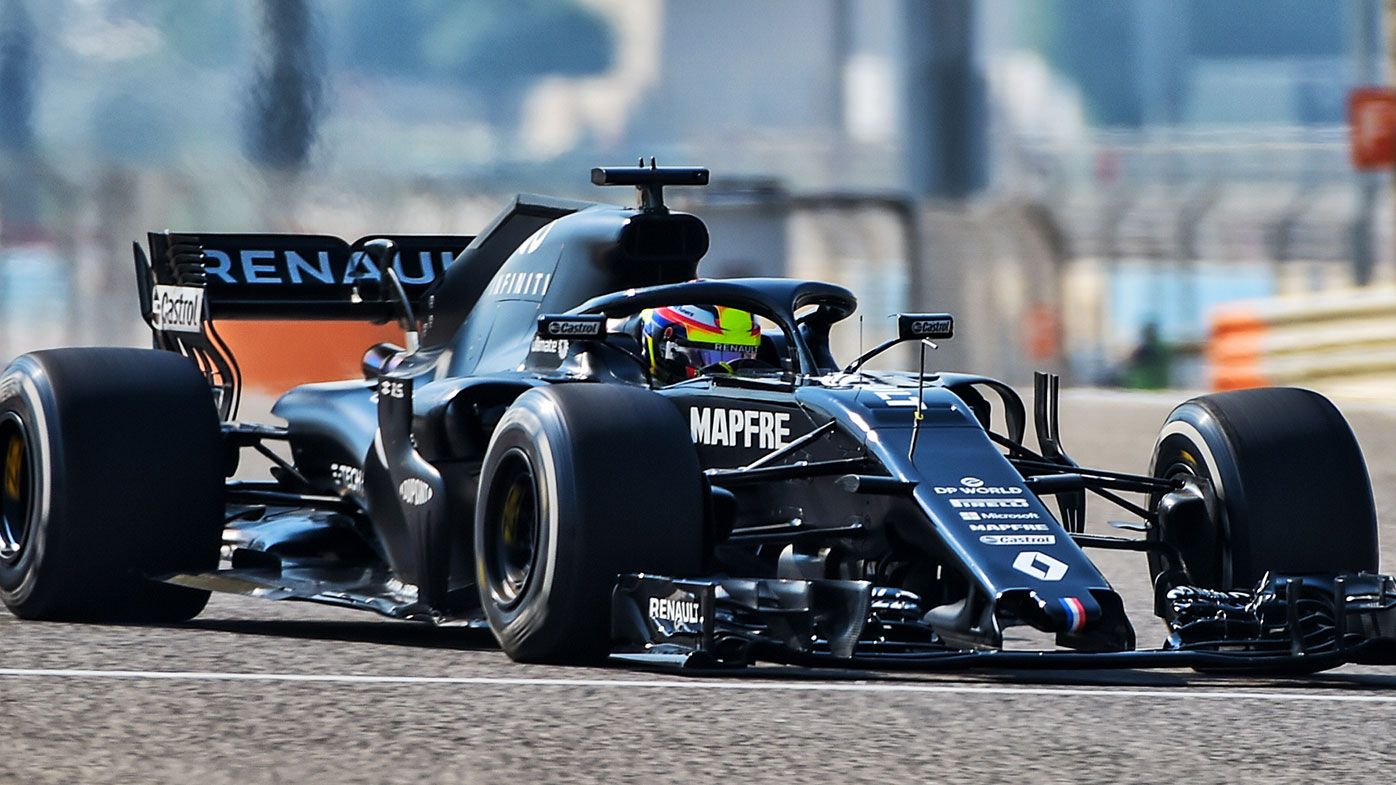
(1193, 429)
(533, 433)
(23, 394)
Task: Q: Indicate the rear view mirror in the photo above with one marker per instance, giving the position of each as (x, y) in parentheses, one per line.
(583, 327)
(915, 326)
(382, 253)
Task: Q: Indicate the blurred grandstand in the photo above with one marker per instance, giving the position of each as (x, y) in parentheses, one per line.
(1083, 181)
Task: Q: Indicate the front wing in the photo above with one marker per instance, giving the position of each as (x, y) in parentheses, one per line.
(1287, 624)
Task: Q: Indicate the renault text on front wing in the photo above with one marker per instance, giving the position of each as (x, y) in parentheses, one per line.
(681, 611)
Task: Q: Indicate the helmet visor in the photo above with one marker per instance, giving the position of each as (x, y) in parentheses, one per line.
(699, 358)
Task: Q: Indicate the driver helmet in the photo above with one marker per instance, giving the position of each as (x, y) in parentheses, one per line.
(683, 340)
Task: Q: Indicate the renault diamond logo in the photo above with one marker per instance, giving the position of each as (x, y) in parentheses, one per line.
(414, 491)
(1040, 566)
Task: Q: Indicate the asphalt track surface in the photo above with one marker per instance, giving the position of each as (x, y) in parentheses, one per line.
(256, 692)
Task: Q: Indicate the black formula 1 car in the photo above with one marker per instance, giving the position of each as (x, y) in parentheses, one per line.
(517, 466)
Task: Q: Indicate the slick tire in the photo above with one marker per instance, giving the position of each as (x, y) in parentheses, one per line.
(110, 471)
(1292, 492)
(581, 483)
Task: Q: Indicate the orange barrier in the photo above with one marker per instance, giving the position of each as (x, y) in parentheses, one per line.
(1322, 339)
(277, 355)
(1234, 348)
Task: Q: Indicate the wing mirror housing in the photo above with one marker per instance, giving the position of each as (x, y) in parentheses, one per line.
(581, 327)
(916, 326)
(382, 253)
(911, 327)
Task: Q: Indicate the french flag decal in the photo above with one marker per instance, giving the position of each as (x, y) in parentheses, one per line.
(1075, 613)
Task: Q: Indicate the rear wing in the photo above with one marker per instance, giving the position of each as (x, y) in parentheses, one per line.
(286, 276)
(186, 283)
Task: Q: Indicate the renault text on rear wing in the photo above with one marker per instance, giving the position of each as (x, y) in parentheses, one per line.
(293, 276)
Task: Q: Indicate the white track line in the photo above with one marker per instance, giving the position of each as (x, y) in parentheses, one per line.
(703, 684)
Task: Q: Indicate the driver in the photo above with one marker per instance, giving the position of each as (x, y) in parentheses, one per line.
(682, 341)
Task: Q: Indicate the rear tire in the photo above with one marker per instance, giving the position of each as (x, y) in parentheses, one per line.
(581, 483)
(110, 471)
(1292, 491)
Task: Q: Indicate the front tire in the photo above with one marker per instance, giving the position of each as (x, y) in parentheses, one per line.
(581, 483)
(1292, 495)
(110, 472)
